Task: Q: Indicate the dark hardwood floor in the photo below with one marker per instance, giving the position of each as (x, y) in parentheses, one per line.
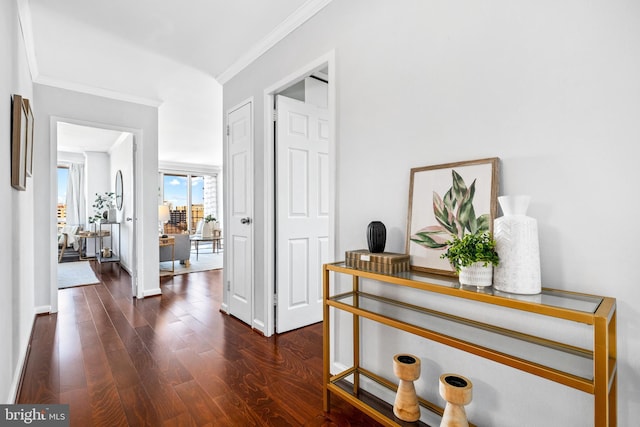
(174, 360)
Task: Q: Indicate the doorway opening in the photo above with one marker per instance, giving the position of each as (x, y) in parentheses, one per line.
(299, 194)
(96, 161)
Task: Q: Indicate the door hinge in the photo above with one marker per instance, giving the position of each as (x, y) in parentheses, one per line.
(275, 115)
(228, 131)
(228, 285)
(275, 300)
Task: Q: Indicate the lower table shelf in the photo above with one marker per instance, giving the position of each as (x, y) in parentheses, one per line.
(104, 260)
(375, 406)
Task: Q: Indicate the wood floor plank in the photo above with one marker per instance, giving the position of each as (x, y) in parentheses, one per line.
(79, 406)
(163, 396)
(174, 360)
(138, 408)
(199, 404)
(106, 407)
(71, 357)
(183, 420)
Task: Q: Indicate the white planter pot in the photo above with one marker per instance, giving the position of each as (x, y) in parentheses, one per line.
(476, 275)
(207, 229)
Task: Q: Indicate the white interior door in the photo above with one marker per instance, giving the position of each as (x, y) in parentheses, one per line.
(302, 211)
(239, 227)
(126, 217)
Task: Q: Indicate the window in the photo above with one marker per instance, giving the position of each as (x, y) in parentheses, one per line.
(190, 198)
(63, 176)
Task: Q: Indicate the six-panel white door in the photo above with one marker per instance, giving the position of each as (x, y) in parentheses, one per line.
(302, 211)
(239, 227)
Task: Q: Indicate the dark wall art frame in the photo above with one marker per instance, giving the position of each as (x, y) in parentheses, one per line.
(29, 135)
(446, 200)
(19, 118)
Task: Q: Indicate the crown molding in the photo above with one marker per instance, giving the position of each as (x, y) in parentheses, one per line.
(293, 21)
(26, 26)
(92, 90)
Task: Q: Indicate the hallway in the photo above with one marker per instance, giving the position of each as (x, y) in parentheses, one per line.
(174, 360)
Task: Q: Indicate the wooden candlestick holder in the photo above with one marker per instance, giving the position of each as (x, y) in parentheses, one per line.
(456, 390)
(407, 368)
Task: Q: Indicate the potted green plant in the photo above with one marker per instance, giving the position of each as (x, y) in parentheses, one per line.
(102, 206)
(473, 256)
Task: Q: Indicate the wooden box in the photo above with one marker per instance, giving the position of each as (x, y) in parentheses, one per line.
(384, 262)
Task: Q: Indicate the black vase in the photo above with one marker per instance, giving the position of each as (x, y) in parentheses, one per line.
(376, 236)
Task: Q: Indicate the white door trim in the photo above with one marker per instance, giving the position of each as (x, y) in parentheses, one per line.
(137, 274)
(328, 60)
(224, 306)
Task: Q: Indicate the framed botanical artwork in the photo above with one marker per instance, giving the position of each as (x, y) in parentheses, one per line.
(18, 144)
(448, 200)
(29, 136)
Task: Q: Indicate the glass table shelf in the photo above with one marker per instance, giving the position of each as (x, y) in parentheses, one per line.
(563, 304)
(445, 328)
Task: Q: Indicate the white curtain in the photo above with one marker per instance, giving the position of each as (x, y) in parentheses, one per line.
(76, 205)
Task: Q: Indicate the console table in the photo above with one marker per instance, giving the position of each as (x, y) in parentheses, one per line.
(107, 229)
(591, 371)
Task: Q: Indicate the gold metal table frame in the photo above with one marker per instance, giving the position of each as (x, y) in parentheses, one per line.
(596, 311)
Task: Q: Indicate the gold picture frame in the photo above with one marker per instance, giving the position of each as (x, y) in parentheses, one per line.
(18, 144)
(447, 199)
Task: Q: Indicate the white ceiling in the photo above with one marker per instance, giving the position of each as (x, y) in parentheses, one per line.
(165, 53)
(78, 139)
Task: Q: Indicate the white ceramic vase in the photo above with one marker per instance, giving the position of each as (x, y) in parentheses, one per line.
(516, 237)
(207, 229)
(476, 275)
(112, 215)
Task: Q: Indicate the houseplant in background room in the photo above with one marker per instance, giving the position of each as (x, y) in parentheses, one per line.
(473, 256)
(209, 225)
(104, 207)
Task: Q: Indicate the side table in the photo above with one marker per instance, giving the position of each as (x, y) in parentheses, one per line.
(169, 241)
(83, 239)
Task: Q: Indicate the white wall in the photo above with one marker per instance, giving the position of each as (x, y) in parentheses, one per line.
(96, 173)
(74, 107)
(121, 159)
(16, 257)
(549, 87)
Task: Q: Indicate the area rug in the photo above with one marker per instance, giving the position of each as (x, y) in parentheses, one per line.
(75, 274)
(206, 261)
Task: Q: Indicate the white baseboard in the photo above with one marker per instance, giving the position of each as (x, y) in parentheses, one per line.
(259, 326)
(224, 308)
(43, 309)
(17, 374)
(16, 377)
(151, 292)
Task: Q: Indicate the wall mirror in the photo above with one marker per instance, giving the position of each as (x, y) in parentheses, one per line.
(119, 190)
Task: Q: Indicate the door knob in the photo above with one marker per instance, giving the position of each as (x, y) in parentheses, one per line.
(245, 220)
